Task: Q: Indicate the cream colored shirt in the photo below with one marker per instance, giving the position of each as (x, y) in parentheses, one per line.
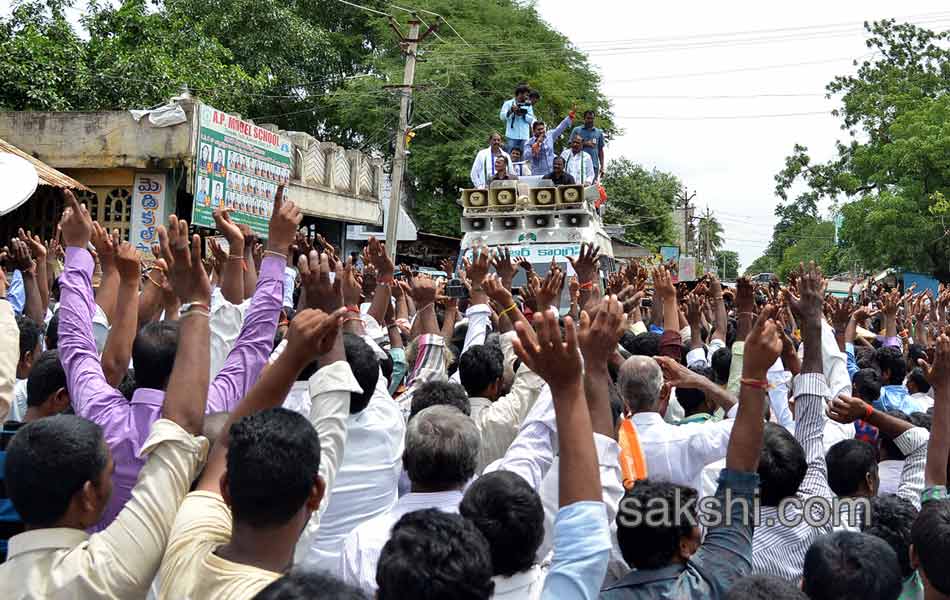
(120, 561)
(9, 356)
(498, 422)
(191, 570)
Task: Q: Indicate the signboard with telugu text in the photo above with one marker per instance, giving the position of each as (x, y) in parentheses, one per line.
(238, 165)
(149, 202)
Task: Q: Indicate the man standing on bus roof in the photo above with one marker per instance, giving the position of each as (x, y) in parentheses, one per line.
(518, 115)
(539, 150)
(578, 162)
(593, 142)
(483, 169)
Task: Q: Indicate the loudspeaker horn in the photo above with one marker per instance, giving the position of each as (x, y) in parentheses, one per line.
(570, 194)
(471, 224)
(542, 196)
(475, 198)
(539, 221)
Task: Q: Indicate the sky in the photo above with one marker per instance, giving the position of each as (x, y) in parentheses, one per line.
(696, 87)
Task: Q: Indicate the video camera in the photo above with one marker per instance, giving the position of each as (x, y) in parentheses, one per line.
(521, 108)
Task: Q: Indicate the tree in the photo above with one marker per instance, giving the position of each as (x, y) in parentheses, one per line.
(642, 201)
(306, 67)
(895, 168)
(727, 264)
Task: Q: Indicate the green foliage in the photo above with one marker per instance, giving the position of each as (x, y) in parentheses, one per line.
(307, 65)
(644, 199)
(895, 168)
(43, 66)
(727, 264)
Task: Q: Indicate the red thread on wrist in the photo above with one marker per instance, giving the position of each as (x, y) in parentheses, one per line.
(868, 411)
(353, 309)
(586, 286)
(755, 383)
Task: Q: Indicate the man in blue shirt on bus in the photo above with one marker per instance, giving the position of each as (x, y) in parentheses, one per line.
(518, 115)
(593, 142)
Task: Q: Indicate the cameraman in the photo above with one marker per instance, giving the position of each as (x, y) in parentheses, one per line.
(518, 115)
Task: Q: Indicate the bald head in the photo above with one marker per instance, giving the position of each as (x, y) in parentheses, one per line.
(640, 380)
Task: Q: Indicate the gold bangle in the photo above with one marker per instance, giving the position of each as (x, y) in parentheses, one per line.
(510, 308)
(275, 253)
(195, 311)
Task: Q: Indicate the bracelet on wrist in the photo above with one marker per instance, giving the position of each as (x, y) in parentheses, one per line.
(275, 253)
(868, 411)
(759, 384)
(353, 308)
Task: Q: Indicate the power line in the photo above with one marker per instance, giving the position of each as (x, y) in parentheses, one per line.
(740, 69)
(721, 117)
(366, 8)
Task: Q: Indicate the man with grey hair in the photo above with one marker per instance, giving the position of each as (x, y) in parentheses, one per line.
(441, 454)
(674, 453)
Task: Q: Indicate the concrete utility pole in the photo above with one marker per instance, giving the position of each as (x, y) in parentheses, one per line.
(684, 201)
(409, 45)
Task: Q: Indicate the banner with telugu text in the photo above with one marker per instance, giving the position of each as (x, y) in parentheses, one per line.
(238, 165)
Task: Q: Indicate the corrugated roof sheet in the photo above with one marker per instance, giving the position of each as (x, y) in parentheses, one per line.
(47, 174)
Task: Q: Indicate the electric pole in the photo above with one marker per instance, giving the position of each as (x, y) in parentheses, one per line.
(684, 201)
(409, 44)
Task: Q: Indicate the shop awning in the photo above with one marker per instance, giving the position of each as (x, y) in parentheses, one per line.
(47, 174)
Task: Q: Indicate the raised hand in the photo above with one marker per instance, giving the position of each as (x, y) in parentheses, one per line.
(423, 290)
(127, 262)
(497, 292)
(20, 254)
(76, 224)
(476, 270)
(556, 362)
(312, 334)
(811, 287)
(587, 262)
(219, 253)
(284, 221)
(524, 265)
(379, 258)
(663, 284)
(320, 291)
(448, 266)
(351, 285)
(551, 287)
(504, 267)
(37, 248)
(938, 372)
(104, 243)
(230, 230)
(745, 295)
(763, 345)
(694, 310)
(600, 334)
(186, 273)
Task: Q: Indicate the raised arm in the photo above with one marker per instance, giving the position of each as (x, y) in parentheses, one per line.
(935, 473)
(38, 250)
(186, 394)
(91, 396)
(107, 293)
(255, 342)
(763, 346)
(811, 388)
(23, 262)
(118, 348)
(232, 271)
(598, 341)
(312, 332)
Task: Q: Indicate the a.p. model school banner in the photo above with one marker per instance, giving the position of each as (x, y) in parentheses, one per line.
(238, 165)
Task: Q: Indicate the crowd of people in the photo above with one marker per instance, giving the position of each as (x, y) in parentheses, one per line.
(273, 422)
(529, 147)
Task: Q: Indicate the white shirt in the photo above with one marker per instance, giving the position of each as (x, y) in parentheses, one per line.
(18, 407)
(532, 456)
(365, 486)
(483, 169)
(889, 473)
(520, 586)
(225, 325)
(363, 546)
(579, 166)
(678, 453)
